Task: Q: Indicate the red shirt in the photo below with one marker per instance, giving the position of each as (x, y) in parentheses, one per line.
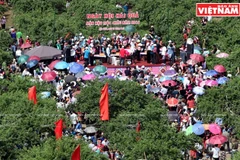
(191, 103)
(122, 53)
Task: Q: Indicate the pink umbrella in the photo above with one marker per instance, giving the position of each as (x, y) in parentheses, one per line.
(49, 76)
(214, 128)
(88, 77)
(218, 139)
(220, 68)
(26, 45)
(211, 83)
(197, 57)
(202, 84)
(53, 63)
(222, 55)
(167, 82)
(34, 58)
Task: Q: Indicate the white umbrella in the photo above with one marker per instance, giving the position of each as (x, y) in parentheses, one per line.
(90, 129)
(198, 90)
(189, 41)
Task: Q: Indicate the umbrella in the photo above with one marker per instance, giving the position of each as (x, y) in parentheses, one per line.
(218, 139)
(167, 82)
(45, 52)
(155, 89)
(34, 58)
(189, 130)
(61, 65)
(191, 62)
(130, 28)
(196, 51)
(45, 94)
(165, 78)
(211, 83)
(26, 45)
(179, 78)
(189, 41)
(69, 78)
(49, 76)
(170, 72)
(22, 59)
(52, 64)
(222, 55)
(206, 126)
(197, 57)
(88, 77)
(198, 129)
(32, 63)
(198, 90)
(220, 68)
(172, 102)
(197, 47)
(107, 77)
(215, 128)
(90, 130)
(172, 115)
(71, 64)
(222, 80)
(80, 74)
(100, 69)
(211, 73)
(75, 68)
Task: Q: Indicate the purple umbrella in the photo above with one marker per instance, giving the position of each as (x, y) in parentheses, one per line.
(107, 77)
(88, 77)
(170, 72)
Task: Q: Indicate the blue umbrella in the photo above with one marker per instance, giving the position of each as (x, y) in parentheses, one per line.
(45, 95)
(76, 68)
(198, 129)
(170, 72)
(107, 77)
(179, 78)
(222, 80)
(32, 63)
(61, 65)
(71, 64)
(211, 73)
(165, 78)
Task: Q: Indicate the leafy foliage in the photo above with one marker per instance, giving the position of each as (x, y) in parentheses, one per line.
(52, 149)
(128, 105)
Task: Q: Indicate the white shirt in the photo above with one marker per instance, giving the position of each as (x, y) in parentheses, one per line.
(105, 143)
(215, 151)
(18, 52)
(73, 118)
(164, 50)
(91, 145)
(186, 82)
(26, 73)
(73, 52)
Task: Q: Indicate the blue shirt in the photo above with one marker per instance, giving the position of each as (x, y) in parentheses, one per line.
(86, 54)
(78, 126)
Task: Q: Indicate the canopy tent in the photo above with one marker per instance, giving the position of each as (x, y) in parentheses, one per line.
(44, 52)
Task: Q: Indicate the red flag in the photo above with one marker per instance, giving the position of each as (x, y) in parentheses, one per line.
(104, 106)
(58, 129)
(138, 128)
(76, 155)
(32, 94)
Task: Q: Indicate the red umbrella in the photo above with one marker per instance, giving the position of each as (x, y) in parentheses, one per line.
(167, 82)
(218, 139)
(220, 68)
(192, 62)
(214, 128)
(52, 64)
(172, 102)
(197, 57)
(49, 76)
(34, 58)
(26, 45)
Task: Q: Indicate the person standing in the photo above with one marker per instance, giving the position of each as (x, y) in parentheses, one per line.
(3, 22)
(86, 56)
(164, 52)
(216, 152)
(122, 56)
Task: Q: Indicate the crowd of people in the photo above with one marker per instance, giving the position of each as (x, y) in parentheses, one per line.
(176, 82)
